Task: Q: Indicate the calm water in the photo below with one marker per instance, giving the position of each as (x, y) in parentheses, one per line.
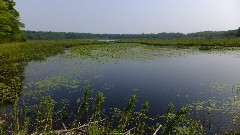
(161, 80)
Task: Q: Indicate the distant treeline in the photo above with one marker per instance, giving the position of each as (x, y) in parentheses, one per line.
(48, 35)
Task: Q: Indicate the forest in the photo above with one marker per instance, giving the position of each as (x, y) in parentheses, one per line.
(48, 35)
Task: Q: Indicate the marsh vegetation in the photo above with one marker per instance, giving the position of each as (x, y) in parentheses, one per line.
(80, 86)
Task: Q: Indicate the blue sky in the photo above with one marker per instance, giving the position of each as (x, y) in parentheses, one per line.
(129, 16)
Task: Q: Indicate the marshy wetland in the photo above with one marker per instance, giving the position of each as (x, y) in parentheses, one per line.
(117, 87)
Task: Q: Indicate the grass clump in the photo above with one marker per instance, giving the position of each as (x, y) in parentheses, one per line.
(177, 123)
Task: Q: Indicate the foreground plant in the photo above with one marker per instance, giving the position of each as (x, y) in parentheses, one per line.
(41, 118)
(178, 123)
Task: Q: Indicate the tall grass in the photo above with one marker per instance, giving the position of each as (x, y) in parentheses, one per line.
(35, 50)
(39, 118)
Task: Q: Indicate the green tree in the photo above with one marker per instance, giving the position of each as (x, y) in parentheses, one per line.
(9, 22)
(4, 22)
(238, 32)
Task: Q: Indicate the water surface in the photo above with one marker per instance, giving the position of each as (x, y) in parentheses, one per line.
(161, 75)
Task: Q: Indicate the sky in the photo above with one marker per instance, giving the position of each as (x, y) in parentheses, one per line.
(129, 16)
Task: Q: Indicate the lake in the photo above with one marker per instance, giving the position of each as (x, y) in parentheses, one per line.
(208, 80)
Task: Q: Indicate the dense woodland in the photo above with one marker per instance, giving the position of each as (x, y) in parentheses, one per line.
(48, 35)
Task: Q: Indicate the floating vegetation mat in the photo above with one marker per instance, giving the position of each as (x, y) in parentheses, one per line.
(126, 52)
